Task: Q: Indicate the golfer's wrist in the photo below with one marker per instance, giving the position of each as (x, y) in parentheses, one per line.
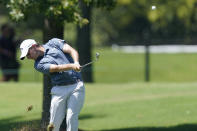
(76, 62)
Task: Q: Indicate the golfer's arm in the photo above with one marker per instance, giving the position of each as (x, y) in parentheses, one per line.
(74, 54)
(59, 68)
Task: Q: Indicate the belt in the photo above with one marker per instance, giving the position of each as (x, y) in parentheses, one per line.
(68, 83)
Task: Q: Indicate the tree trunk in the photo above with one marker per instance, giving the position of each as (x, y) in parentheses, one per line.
(84, 43)
(51, 29)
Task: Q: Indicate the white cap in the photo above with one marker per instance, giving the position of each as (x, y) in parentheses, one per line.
(25, 45)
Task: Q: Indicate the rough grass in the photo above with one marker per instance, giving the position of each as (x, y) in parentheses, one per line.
(118, 107)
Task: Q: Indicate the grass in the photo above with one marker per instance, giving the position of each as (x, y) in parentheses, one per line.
(120, 67)
(124, 67)
(119, 100)
(14, 101)
(173, 67)
(129, 106)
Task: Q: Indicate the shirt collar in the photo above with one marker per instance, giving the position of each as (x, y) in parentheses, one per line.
(45, 52)
(46, 49)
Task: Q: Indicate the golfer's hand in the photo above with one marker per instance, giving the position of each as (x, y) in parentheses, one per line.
(76, 67)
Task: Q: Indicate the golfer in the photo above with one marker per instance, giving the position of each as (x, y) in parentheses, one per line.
(59, 60)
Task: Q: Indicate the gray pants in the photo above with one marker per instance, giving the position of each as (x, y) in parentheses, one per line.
(66, 100)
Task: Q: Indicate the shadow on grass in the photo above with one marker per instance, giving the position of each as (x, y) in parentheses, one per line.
(182, 127)
(10, 124)
(13, 123)
(89, 116)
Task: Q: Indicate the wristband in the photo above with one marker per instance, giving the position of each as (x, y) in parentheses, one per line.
(76, 62)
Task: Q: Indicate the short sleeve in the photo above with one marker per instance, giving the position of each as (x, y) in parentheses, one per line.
(57, 43)
(43, 67)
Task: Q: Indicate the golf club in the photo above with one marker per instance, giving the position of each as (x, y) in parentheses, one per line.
(97, 57)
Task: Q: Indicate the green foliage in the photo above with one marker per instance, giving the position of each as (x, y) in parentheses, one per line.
(107, 4)
(18, 8)
(132, 20)
(168, 11)
(58, 10)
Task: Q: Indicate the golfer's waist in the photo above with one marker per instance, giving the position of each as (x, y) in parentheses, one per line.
(68, 83)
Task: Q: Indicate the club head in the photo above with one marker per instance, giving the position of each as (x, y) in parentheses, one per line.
(97, 56)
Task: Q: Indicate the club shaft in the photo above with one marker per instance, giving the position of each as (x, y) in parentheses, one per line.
(97, 56)
(87, 64)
